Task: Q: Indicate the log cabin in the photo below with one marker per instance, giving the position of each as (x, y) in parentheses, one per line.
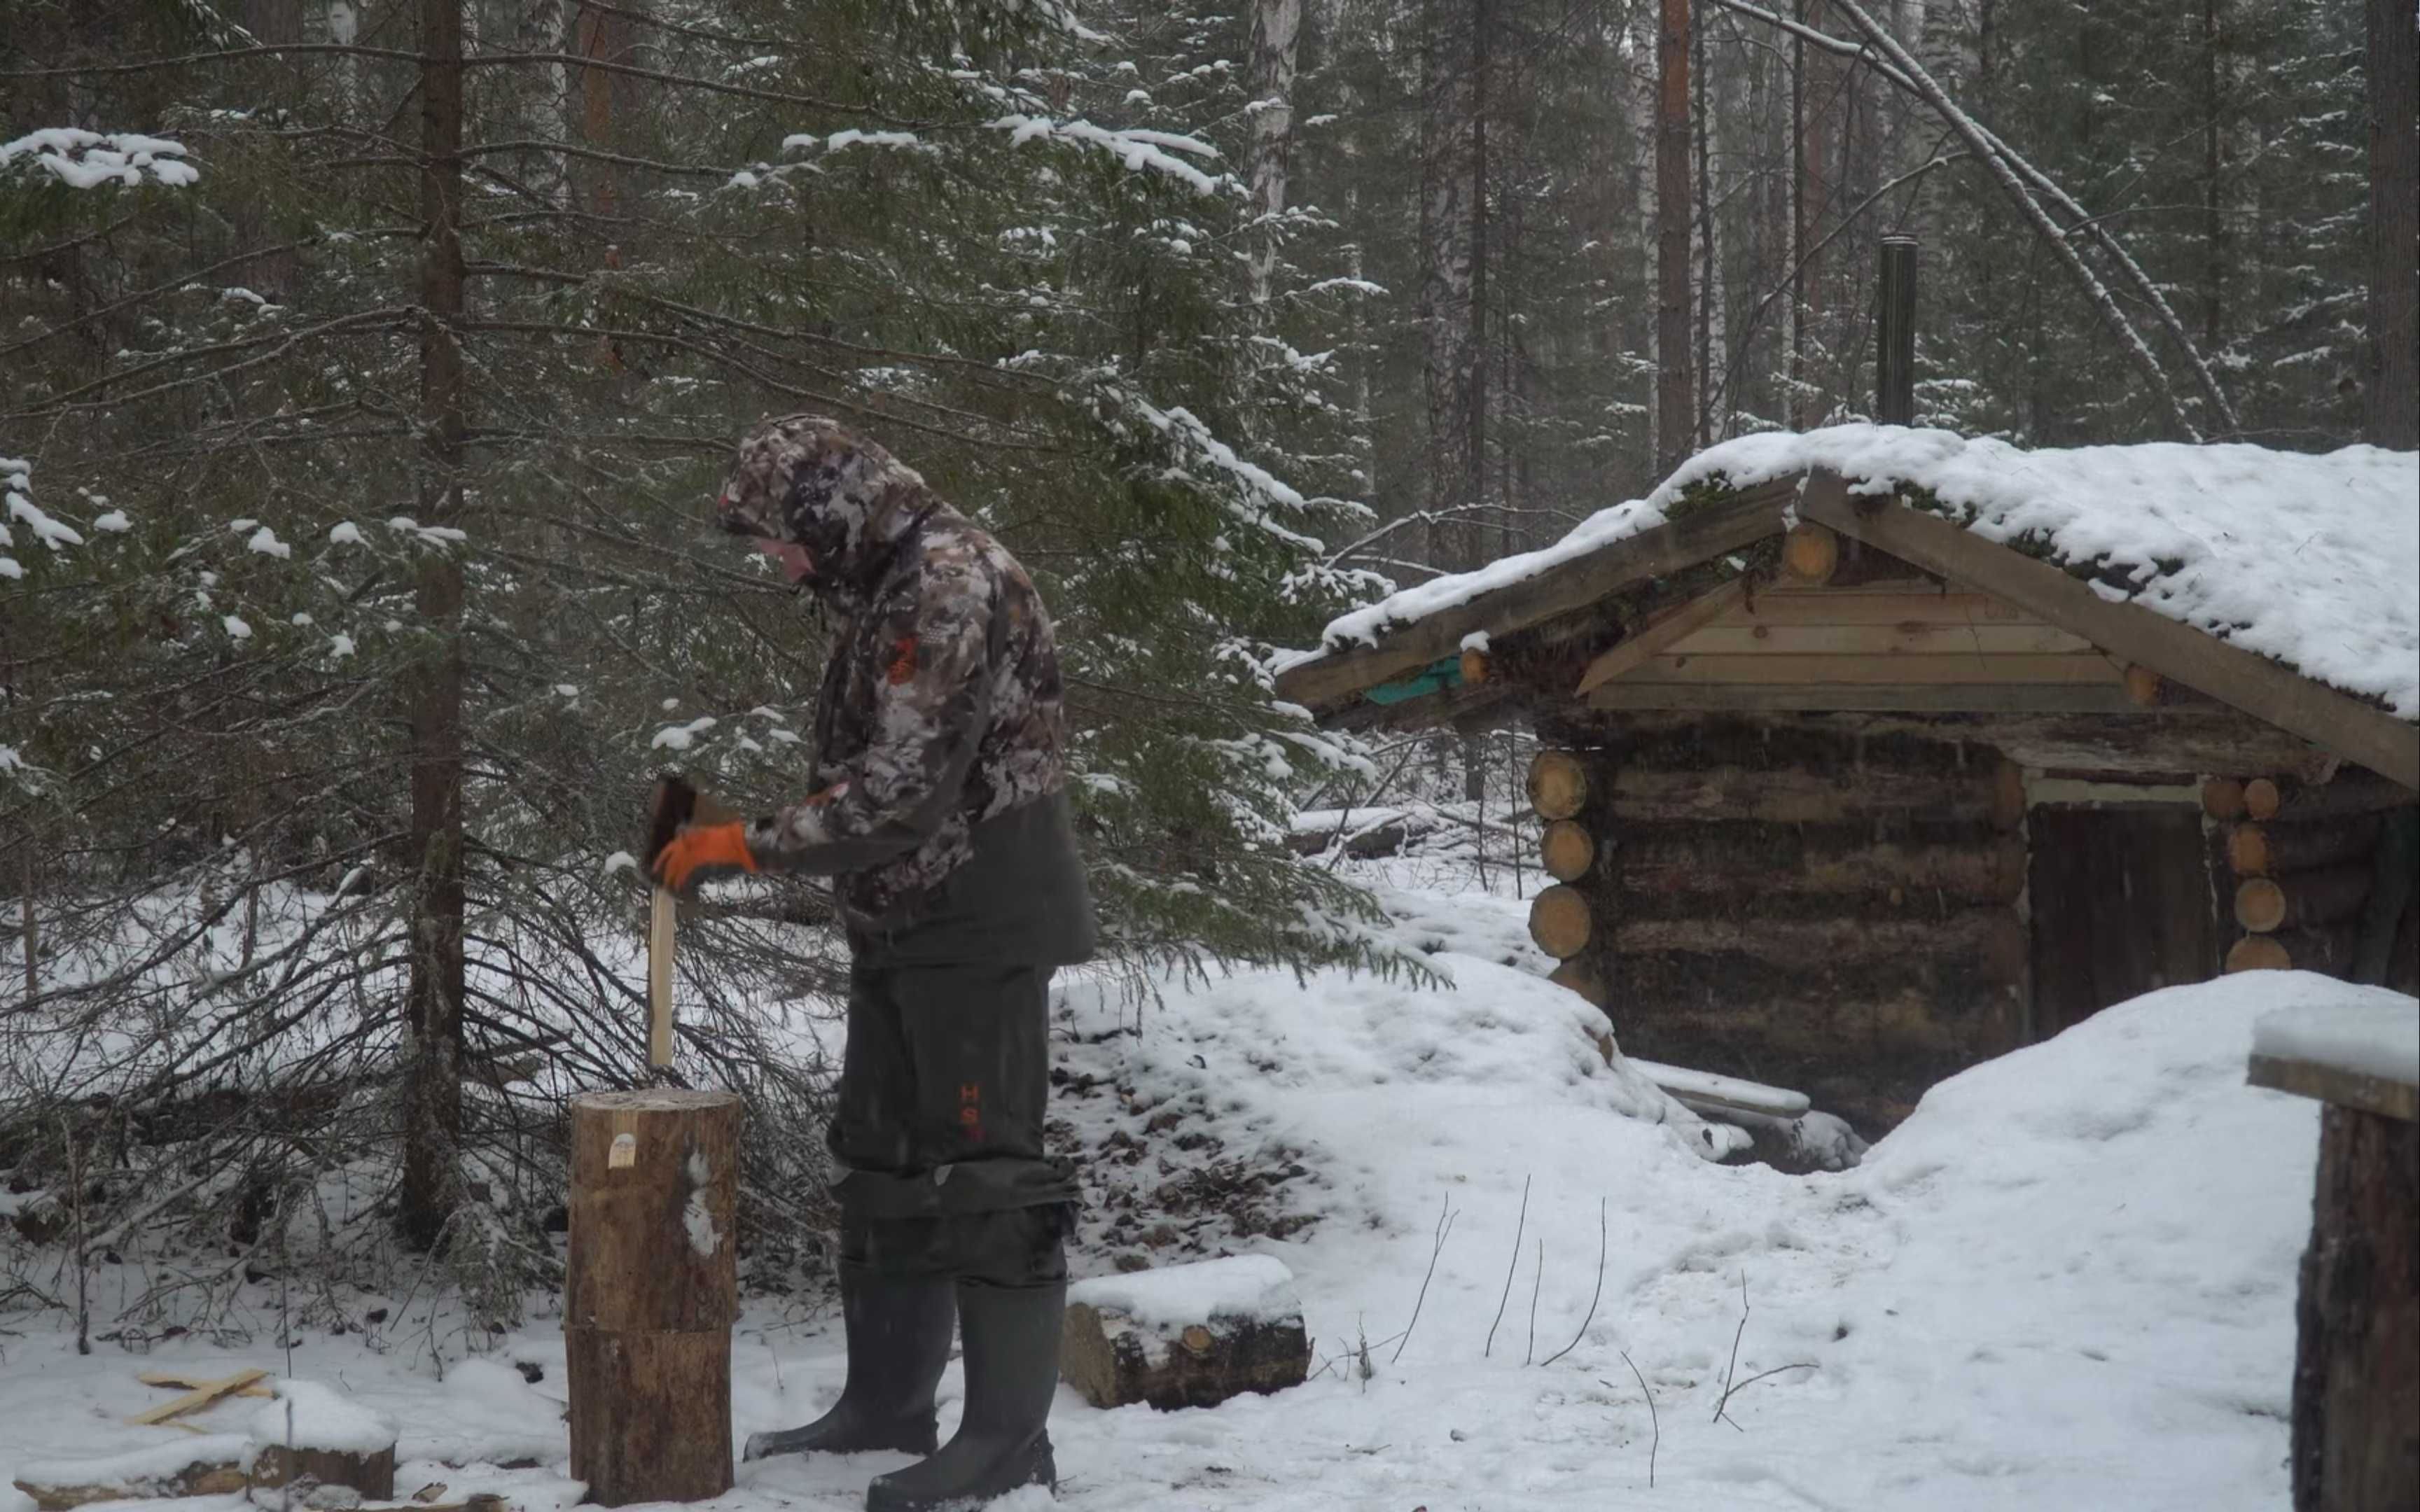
(1873, 753)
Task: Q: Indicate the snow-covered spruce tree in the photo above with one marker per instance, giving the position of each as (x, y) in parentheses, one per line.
(389, 445)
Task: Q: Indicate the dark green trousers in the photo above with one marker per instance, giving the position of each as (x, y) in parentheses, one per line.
(943, 1092)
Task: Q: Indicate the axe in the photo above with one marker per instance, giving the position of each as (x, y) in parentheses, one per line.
(675, 804)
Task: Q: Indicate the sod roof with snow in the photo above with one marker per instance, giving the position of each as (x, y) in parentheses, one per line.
(2312, 562)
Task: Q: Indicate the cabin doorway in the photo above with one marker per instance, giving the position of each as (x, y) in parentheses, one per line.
(2121, 905)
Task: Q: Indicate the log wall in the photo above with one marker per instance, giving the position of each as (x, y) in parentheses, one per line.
(1825, 910)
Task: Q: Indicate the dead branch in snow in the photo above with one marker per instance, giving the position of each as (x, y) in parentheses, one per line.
(1653, 1420)
(1445, 1228)
(1510, 1266)
(1731, 1389)
(1593, 1297)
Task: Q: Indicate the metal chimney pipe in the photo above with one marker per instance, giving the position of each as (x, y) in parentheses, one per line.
(1895, 334)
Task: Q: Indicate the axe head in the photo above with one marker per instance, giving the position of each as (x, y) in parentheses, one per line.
(674, 804)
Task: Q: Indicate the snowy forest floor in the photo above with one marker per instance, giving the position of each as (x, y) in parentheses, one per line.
(2067, 1281)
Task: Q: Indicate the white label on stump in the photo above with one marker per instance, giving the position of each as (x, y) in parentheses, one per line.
(624, 1152)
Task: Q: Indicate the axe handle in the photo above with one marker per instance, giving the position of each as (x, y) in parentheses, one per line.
(659, 980)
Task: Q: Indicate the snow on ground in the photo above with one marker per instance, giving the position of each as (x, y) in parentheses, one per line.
(2067, 1281)
(2377, 1038)
(2312, 560)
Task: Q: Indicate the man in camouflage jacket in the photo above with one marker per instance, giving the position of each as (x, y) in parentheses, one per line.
(937, 800)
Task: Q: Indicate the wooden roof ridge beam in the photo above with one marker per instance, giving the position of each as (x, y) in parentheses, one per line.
(2337, 722)
(1634, 650)
(1703, 531)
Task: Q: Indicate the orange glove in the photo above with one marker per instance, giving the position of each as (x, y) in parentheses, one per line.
(698, 852)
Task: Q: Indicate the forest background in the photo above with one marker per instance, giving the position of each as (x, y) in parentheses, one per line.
(363, 404)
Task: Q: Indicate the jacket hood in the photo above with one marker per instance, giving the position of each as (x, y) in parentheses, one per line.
(807, 480)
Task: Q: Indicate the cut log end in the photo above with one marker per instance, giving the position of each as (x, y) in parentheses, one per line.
(2257, 953)
(1583, 979)
(2222, 798)
(2143, 686)
(1810, 554)
(372, 1474)
(1558, 784)
(2008, 801)
(1568, 849)
(2260, 905)
(1474, 666)
(1559, 921)
(2247, 850)
(2260, 799)
(1177, 1339)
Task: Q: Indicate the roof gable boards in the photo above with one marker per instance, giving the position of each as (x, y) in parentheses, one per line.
(1994, 631)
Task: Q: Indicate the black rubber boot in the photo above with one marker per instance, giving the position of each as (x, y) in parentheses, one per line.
(898, 1340)
(1001, 1445)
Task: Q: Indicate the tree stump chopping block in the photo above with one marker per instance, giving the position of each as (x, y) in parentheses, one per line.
(1186, 1335)
(651, 1290)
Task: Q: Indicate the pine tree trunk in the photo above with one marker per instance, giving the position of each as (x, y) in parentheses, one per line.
(1705, 205)
(1450, 359)
(1675, 413)
(1276, 31)
(2391, 401)
(432, 1087)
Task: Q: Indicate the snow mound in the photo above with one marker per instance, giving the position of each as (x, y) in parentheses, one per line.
(1253, 1287)
(2313, 562)
(2377, 1035)
(307, 1416)
(136, 1467)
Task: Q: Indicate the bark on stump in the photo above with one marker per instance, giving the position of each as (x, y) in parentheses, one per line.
(275, 1465)
(1116, 1352)
(2356, 1422)
(651, 1290)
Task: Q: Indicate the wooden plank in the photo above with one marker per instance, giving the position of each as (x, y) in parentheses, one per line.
(186, 1381)
(2258, 687)
(1661, 632)
(2343, 1088)
(1924, 671)
(1903, 640)
(199, 1397)
(1855, 605)
(1850, 698)
(1701, 532)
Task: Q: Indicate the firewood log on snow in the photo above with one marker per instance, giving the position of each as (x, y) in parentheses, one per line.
(312, 1437)
(204, 1465)
(1186, 1335)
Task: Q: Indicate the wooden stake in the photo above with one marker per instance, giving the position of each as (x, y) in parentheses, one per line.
(662, 915)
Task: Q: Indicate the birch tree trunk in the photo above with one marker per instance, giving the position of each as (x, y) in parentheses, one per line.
(1276, 31)
(433, 1086)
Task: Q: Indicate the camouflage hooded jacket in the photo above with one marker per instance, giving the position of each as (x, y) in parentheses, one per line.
(938, 794)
